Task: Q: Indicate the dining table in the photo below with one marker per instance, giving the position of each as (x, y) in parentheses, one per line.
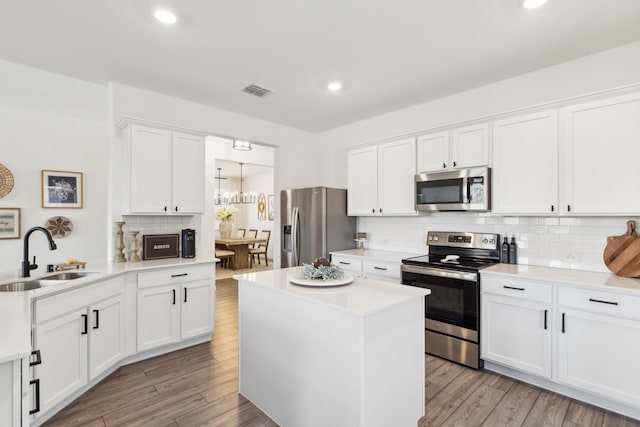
(240, 246)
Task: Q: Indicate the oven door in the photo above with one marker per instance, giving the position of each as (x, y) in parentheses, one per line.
(453, 304)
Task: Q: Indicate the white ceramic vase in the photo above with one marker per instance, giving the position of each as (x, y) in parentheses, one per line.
(225, 228)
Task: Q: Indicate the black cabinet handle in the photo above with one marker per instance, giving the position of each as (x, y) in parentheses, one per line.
(553, 208)
(174, 296)
(344, 262)
(165, 208)
(38, 360)
(97, 313)
(514, 288)
(545, 319)
(563, 328)
(380, 268)
(454, 164)
(373, 210)
(603, 301)
(380, 210)
(179, 275)
(185, 294)
(37, 384)
(444, 165)
(85, 318)
(568, 208)
(176, 209)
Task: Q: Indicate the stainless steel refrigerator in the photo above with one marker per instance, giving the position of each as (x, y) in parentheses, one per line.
(314, 223)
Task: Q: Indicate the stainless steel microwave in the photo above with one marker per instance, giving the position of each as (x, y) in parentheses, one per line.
(458, 190)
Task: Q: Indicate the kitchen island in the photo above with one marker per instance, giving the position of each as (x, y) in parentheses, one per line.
(350, 355)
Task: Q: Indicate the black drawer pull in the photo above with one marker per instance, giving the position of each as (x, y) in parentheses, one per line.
(97, 313)
(174, 296)
(180, 275)
(185, 294)
(37, 408)
(563, 328)
(603, 302)
(85, 319)
(380, 268)
(344, 262)
(514, 288)
(38, 360)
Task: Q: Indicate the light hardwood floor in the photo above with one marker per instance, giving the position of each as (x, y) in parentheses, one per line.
(199, 386)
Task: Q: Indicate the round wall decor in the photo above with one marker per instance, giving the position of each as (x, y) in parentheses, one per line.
(6, 181)
(262, 207)
(59, 226)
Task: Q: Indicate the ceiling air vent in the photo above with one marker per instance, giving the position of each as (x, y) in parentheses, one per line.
(256, 90)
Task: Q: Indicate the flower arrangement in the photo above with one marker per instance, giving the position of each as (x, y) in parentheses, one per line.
(322, 269)
(225, 212)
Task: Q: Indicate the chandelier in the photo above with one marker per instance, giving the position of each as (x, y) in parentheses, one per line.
(242, 197)
(219, 199)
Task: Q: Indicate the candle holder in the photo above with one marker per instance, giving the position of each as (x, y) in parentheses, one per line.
(134, 246)
(120, 246)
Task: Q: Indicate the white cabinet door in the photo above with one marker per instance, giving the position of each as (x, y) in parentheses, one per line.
(600, 152)
(598, 353)
(470, 146)
(188, 173)
(350, 265)
(198, 301)
(151, 171)
(433, 152)
(158, 316)
(396, 177)
(516, 333)
(362, 181)
(63, 347)
(106, 337)
(525, 164)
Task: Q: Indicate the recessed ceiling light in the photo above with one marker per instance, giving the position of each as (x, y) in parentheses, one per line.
(165, 16)
(334, 86)
(532, 4)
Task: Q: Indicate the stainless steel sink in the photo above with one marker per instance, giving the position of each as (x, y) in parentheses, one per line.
(68, 275)
(26, 285)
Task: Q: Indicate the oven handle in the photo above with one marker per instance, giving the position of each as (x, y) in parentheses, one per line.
(430, 271)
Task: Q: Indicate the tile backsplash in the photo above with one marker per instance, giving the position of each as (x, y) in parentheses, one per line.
(564, 242)
(152, 224)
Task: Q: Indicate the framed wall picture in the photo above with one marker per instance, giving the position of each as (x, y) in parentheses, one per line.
(61, 189)
(10, 223)
(270, 206)
(262, 207)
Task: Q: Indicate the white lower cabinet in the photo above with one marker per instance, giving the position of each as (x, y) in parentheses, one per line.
(349, 265)
(80, 335)
(369, 266)
(174, 304)
(599, 343)
(516, 324)
(585, 339)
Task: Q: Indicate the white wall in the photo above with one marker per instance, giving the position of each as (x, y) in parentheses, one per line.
(53, 122)
(561, 242)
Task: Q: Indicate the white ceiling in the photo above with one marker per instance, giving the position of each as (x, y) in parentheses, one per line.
(388, 54)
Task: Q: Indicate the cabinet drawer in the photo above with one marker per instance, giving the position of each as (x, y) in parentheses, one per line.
(517, 288)
(600, 302)
(347, 263)
(381, 268)
(57, 305)
(168, 276)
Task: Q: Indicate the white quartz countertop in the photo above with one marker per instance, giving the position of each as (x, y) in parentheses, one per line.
(594, 280)
(360, 297)
(376, 254)
(15, 307)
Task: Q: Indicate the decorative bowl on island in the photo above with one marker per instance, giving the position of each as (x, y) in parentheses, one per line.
(321, 273)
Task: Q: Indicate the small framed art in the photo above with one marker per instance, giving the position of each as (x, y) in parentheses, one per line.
(271, 207)
(61, 189)
(10, 223)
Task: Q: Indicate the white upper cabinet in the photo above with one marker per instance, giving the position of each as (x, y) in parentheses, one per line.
(164, 172)
(600, 143)
(525, 164)
(458, 148)
(381, 179)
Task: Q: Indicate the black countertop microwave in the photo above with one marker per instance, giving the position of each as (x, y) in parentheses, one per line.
(457, 190)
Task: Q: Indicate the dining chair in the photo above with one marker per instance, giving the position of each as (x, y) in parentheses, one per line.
(240, 232)
(225, 257)
(261, 249)
(252, 233)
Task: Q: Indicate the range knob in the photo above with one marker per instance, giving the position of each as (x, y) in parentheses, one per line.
(485, 240)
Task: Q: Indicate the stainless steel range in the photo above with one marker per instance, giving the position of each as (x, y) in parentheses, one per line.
(451, 272)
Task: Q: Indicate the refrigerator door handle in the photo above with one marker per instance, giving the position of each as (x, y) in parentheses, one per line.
(295, 235)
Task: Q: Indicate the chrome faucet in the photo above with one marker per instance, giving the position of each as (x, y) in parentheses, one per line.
(26, 265)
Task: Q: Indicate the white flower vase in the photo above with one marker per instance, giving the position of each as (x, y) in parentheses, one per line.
(225, 228)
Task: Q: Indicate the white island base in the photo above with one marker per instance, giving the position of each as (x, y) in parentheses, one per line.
(351, 355)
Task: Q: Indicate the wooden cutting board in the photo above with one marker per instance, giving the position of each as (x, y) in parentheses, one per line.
(622, 254)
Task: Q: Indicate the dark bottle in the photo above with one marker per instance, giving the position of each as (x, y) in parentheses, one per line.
(513, 251)
(505, 251)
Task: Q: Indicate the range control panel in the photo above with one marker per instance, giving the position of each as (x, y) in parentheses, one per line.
(463, 239)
